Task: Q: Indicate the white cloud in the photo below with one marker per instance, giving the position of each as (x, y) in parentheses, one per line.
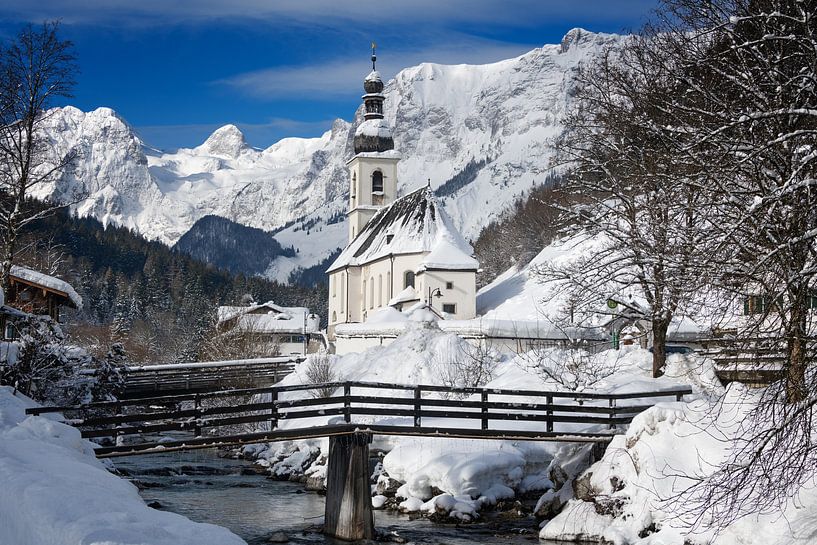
(517, 12)
(341, 77)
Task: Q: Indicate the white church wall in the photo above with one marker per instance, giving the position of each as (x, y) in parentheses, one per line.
(462, 292)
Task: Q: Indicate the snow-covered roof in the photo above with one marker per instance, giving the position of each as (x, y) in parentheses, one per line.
(269, 318)
(49, 282)
(408, 294)
(374, 75)
(414, 223)
(375, 128)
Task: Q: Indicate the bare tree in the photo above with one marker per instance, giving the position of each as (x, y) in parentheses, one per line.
(35, 70)
(641, 199)
(747, 71)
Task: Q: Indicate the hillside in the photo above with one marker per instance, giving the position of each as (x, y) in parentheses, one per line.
(481, 134)
(231, 246)
(159, 302)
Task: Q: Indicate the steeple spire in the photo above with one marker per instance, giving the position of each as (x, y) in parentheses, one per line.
(374, 134)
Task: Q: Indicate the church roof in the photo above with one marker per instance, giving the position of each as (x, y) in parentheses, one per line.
(414, 223)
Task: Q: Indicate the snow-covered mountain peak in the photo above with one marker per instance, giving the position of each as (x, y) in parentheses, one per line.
(483, 135)
(579, 37)
(227, 141)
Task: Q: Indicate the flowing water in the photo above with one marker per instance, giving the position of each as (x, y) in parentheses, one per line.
(206, 488)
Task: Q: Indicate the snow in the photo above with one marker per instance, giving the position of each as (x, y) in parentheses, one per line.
(47, 281)
(374, 75)
(378, 128)
(441, 116)
(473, 473)
(55, 492)
(414, 223)
(664, 451)
(272, 318)
(408, 294)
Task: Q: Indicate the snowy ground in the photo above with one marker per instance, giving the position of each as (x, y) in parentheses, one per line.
(53, 491)
(461, 476)
(630, 496)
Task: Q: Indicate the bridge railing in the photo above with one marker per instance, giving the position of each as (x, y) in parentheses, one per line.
(383, 408)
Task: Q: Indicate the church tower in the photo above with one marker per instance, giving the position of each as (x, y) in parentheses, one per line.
(373, 169)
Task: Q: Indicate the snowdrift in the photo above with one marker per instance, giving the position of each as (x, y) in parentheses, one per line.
(53, 491)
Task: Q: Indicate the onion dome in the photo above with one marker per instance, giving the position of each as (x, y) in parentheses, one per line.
(374, 134)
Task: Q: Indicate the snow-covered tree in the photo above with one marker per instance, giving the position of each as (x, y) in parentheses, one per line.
(633, 190)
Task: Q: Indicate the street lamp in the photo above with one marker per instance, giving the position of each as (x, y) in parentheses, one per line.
(433, 293)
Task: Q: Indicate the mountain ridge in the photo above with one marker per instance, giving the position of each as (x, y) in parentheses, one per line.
(489, 128)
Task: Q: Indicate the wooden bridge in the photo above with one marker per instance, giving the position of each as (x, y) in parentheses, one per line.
(350, 413)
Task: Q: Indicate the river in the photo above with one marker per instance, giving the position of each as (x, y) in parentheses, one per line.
(207, 488)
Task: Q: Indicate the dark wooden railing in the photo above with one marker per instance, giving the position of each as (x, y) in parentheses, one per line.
(423, 410)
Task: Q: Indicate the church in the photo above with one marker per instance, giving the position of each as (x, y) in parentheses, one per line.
(402, 251)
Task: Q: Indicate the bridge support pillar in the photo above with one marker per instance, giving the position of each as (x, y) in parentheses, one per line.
(348, 514)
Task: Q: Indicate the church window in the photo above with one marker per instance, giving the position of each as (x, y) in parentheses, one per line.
(334, 316)
(380, 290)
(408, 279)
(364, 294)
(377, 181)
(342, 292)
(334, 282)
(449, 308)
(449, 285)
(371, 292)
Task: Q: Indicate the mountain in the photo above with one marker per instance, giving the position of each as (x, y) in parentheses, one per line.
(481, 134)
(231, 246)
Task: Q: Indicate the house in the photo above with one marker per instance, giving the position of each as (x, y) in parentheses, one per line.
(401, 251)
(272, 328)
(37, 293)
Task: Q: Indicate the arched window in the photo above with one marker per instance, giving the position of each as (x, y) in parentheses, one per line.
(342, 292)
(334, 316)
(409, 279)
(363, 298)
(388, 285)
(371, 292)
(377, 181)
(380, 290)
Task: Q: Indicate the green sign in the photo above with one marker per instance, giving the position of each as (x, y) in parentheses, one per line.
(611, 303)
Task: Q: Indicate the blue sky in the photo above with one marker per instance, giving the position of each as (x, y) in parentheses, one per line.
(178, 69)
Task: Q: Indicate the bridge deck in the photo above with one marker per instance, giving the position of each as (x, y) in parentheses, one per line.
(392, 409)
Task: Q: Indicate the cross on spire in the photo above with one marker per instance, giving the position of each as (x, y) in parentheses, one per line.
(374, 55)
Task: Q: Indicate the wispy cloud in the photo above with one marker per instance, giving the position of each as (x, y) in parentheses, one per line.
(340, 77)
(524, 12)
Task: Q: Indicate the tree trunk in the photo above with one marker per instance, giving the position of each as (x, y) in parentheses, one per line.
(797, 349)
(659, 347)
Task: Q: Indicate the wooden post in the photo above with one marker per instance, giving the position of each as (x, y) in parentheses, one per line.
(348, 515)
(484, 409)
(612, 412)
(196, 405)
(274, 410)
(549, 401)
(418, 396)
(347, 404)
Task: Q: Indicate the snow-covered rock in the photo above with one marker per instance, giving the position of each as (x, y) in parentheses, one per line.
(443, 118)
